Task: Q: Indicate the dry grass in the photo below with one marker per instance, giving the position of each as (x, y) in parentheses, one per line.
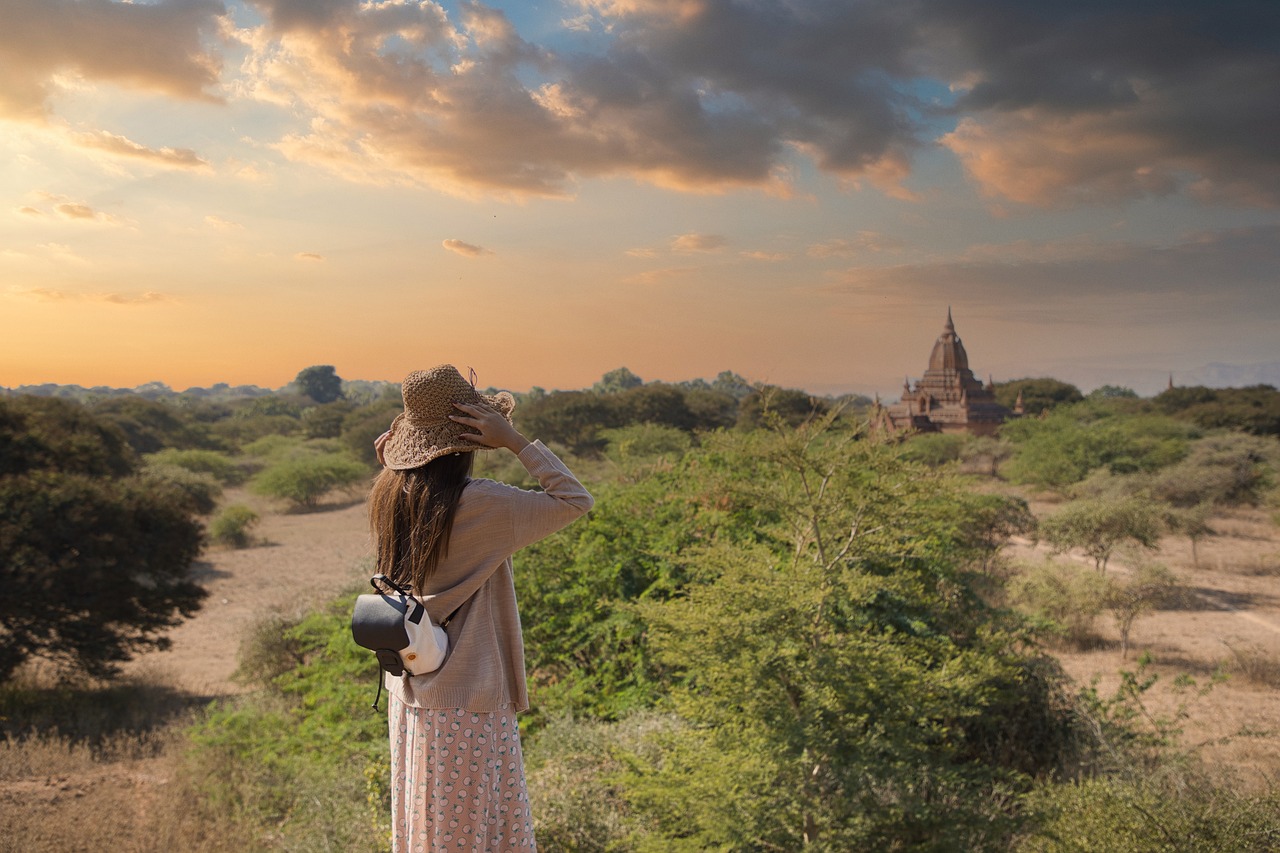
(1254, 664)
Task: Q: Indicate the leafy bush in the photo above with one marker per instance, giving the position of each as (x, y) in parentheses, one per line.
(301, 763)
(1067, 598)
(231, 526)
(304, 480)
(1174, 809)
(210, 462)
(1098, 526)
(645, 442)
(198, 492)
(95, 562)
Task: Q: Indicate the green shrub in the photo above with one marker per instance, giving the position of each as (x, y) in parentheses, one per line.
(1067, 597)
(199, 493)
(304, 480)
(1172, 810)
(298, 762)
(645, 442)
(231, 526)
(209, 462)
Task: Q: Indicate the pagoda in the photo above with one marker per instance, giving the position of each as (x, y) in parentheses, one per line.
(948, 398)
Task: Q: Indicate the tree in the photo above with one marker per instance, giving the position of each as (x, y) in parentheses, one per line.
(1098, 526)
(94, 562)
(319, 382)
(837, 684)
(1129, 598)
(1038, 395)
(619, 379)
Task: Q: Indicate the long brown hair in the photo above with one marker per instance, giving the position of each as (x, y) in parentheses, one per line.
(411, 515)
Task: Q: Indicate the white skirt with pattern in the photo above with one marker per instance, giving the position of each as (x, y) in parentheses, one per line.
(457, 781)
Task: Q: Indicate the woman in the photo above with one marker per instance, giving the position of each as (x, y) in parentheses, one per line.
(457, 773)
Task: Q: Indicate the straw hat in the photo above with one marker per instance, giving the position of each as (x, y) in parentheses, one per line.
(423, 431)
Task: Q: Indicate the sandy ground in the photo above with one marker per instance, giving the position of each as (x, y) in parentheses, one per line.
(1234, 609)
(305, 559)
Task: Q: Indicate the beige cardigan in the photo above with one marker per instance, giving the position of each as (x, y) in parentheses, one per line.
(484, 668)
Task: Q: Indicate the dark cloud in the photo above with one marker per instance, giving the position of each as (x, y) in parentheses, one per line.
(1200, 272)
(155, 46)
(1110, 100)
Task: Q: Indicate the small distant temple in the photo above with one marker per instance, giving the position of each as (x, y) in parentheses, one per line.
(948, 398)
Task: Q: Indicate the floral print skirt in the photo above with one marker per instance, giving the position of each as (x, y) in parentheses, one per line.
(457, 781)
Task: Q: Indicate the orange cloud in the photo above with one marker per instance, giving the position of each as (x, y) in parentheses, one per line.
(686, 243)
(182, 158)
(156, 46)
(467, 250)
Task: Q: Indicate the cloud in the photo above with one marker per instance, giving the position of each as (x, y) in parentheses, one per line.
(864, 242)
(181, 158)
(309, 256)
(401, 92)
(217, 223)
(1064, 103)
(28, 210)
(766, 256)
(48, 294)
(659, 275)
(467, 250)
(1046, 103)
(155, 46)
(686, 243)
(73, 210)
(1233, 270)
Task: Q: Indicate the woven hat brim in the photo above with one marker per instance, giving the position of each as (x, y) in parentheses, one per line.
(413, 445)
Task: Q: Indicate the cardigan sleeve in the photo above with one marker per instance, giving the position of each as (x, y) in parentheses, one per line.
(535, 515)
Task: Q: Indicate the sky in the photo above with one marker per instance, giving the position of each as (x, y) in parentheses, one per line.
(204, 191)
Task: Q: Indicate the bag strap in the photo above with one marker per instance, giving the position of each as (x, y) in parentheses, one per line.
(416, 616)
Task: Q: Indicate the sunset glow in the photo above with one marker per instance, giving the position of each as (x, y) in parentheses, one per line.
(200, 191)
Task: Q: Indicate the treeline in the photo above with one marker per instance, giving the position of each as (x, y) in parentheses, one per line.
(777, 630)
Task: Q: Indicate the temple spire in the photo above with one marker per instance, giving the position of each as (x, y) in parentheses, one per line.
(950, 327)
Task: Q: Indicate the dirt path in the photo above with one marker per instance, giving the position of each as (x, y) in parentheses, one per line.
(308, 558)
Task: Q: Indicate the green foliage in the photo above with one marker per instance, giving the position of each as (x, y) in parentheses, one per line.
(98, 569)
(325, 421)
(1223, 469)
(299, 758)
(839, 685)
(1038, 395)
(43, 433)
(216, 465)
(305, 479)
(1113, 392)
(617, 380)
(150, 426)
(570, 418)
(1149, 587)
(646, 442)
(320, 382)
(1069, 444)
(361, 426)
(792, 406)
(572, 770)
(197, 492)
(935, 449)
(1172, 810)
(1067, 599)
(95, 562)
(1255, 409)
(232, 525)
(1098, 526)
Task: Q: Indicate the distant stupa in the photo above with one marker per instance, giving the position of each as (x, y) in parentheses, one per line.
(948, 398)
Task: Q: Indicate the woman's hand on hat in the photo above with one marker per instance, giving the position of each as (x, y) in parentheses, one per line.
(379, 443)
(489, 428)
